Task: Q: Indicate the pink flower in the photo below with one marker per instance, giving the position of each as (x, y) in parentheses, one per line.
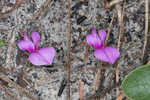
(42, 56)
(103, 53)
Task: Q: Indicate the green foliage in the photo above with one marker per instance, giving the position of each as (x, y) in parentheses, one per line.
(2, 43)
(136, 85)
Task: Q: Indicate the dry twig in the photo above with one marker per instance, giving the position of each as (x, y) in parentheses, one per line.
(120, 21)
(81, 90)
(68, 50)
(85, 55)
(20, 89)
(109, 29)
(8, 92)
(96, 80)
(16, 5)
(82, 71)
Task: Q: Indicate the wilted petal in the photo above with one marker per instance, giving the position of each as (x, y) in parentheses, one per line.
(107, 54)
(35, 38)
(102, 35)
(43, 56)
(26, 45)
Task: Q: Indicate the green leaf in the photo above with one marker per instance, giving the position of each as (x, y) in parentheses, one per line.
(1, 43)
(136, 86)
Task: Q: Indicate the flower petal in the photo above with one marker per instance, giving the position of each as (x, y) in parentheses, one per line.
(102, 35)
(94, 31)
(107, 54)
(26, 45)
(36, 59)
(26, 38)
(35, 38)
(93, 40)
(43, 56)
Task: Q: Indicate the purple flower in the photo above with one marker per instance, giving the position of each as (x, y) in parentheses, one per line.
(103, 53)
(42, 56)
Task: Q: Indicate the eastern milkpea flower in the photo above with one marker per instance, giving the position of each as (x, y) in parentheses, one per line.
(38, 56)
(103, 53)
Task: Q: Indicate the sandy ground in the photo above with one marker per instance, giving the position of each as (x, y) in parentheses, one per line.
(44, 82)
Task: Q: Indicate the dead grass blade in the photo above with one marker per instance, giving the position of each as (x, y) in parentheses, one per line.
(146, 25)
(10, 50)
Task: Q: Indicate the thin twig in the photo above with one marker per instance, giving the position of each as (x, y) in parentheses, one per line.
(15, 6)
(81, 90)
(120, 21)
(85, 55)
(20, 89)
(146, 26)
(23, 76)
(9, 92)
(102, 70)
(118, 8)
(96, 81)
(68, 50)
(109, 29)
(82, 71)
